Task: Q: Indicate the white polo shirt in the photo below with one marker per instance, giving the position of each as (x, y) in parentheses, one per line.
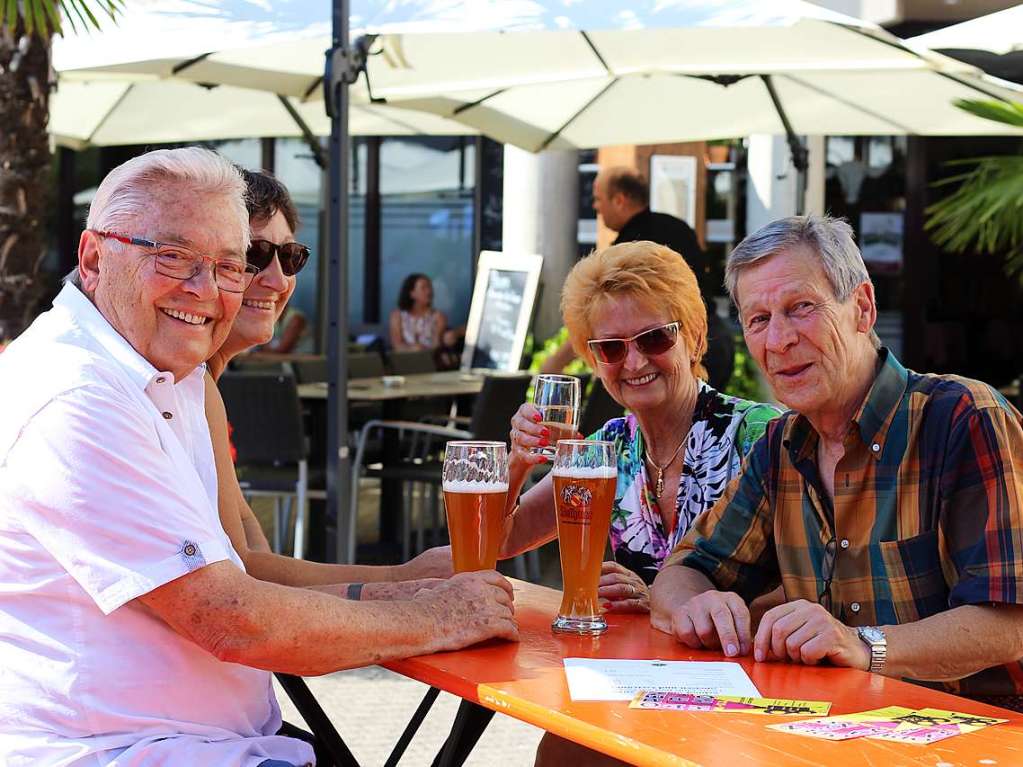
(107, 491)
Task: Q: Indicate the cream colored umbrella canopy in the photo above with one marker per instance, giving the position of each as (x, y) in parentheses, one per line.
(1000, 33)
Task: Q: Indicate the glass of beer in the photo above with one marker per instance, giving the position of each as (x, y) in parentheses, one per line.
(557, 399)
(475, 483)
(585, 472)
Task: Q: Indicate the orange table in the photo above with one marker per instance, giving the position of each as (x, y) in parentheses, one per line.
(527, 681)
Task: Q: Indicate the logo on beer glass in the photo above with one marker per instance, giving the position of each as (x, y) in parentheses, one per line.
(576, 502)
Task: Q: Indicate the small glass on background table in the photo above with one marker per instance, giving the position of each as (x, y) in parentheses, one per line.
(475, 484)
(557, 399)
(585, 473)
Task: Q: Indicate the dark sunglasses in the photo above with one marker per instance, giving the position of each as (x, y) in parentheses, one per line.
(292, 255)
(651, 342)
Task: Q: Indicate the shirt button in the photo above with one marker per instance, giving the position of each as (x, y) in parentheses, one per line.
(190, 550)
(167, 415)
(855, 607)
(845, 543)
(161, 379)
(875, 447)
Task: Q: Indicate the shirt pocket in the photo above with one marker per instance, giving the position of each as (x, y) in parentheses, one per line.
(915, 579)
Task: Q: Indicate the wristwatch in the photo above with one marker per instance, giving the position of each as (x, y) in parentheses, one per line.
(874, 638)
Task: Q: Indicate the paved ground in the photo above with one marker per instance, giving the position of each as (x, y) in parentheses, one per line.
(371, 706)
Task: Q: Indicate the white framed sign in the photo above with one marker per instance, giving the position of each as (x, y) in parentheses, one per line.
(673, 186)
(502, 306)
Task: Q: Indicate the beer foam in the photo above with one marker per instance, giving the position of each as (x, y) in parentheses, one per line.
(585, 472)
(474, 486)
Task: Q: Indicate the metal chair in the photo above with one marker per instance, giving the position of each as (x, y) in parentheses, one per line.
(266, 418)
(410, 363)
(497, 401)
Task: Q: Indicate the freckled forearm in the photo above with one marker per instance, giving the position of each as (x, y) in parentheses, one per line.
(956, 643)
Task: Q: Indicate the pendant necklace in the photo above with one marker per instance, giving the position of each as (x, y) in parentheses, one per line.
(659, 484)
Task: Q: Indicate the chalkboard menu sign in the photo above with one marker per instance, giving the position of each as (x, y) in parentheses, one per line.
(502, 305)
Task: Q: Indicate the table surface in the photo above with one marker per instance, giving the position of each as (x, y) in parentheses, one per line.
(526, 680)
(443, 384)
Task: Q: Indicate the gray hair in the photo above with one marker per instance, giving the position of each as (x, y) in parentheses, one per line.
(124, 193)
(830, 239)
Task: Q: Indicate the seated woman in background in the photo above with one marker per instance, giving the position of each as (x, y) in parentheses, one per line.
(416, 326)
(273, 221)
(634, 312)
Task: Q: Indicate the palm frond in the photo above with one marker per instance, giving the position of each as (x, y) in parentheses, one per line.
(45, 17)
(1006, 112)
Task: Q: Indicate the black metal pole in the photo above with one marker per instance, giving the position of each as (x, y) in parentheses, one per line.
(799, 152)
(338, 76)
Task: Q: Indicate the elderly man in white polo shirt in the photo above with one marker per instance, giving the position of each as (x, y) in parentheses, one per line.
(130, 634)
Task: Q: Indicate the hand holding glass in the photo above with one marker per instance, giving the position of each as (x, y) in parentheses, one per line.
(475, 482)
(585, 473)
(557, 399)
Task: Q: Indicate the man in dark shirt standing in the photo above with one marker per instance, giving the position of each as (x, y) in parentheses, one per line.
(621, 197)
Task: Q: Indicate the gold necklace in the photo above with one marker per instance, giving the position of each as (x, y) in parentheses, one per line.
(659, 484)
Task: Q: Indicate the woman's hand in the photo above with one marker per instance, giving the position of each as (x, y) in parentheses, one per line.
(526, 434)
(623, 590)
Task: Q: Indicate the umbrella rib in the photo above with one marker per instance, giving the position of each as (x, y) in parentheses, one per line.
(596, 53)
(178, 68)
(846, 102)
(572, 119)
(307, 134)
(469, 105)
(948, 75)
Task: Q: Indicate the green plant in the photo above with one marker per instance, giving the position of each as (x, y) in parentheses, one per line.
(745, 380)
(551, 345)
(985, 212)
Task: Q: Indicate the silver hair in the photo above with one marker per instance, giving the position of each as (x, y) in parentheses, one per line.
(830, 239)
(125, 192)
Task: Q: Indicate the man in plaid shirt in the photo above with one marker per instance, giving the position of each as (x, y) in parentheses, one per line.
(887, 503)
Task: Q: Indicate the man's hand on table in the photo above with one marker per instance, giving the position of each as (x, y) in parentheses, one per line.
(622, 590)
(432, 563)
(711, 620)
(470, 608)
(805, 632)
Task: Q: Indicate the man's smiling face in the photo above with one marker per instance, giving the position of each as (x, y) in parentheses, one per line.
(175, 324)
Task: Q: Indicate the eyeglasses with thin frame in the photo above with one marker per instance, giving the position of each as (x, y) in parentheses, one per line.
(292, 255)
(182, 263)
(611, 351)
(828, 573)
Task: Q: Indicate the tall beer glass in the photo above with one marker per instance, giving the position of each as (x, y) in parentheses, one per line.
(557, 399)
(584, 474)
(475, 482)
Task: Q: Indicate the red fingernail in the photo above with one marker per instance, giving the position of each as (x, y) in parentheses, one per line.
(546, 432)
(537, 417)
(544, 442)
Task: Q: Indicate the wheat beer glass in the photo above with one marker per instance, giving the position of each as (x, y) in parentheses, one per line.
(557, 399)
(584, 474)
(475, 482)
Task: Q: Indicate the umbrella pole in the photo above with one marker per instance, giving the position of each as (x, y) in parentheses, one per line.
(339, 74)
(799, 152)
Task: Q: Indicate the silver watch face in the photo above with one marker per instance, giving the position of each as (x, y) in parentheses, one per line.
(871, 634)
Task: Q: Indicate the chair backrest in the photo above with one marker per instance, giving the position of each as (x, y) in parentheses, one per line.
(265, 416)
(497, 402)
(598, 409)
(313, 370)
(408, 363)
(365, 365)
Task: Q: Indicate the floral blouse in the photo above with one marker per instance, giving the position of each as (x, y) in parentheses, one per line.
(723, 431)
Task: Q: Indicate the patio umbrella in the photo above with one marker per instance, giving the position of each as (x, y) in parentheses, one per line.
(993, 42)
(676, 70)
(112, 110)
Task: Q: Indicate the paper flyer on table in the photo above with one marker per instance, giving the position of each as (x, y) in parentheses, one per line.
(603, 679)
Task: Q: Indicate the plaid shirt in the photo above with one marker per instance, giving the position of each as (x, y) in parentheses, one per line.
(926, 513)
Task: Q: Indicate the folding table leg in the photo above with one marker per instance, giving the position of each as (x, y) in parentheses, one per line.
(470, 722)
(317, 719)
(412, 728)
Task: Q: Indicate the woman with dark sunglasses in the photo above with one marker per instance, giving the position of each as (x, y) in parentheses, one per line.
(635, 313)
(273, 221)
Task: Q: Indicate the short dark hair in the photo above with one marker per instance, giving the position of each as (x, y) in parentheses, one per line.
(630, 183)
(407, 286)
(265, 195)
